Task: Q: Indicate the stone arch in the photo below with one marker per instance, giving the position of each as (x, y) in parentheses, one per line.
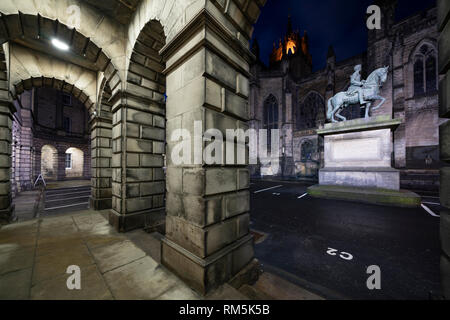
(138, 186)
(49, 162)
(92, 34)
(172, 15)
(74, 163)
(31, 68)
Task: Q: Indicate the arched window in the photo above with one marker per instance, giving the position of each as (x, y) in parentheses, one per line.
(270, 117)
(309, 110)
(419, 87)
(425, 70)
(430, 69)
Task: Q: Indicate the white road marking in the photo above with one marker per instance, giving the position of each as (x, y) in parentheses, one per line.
(276, 194)
(302, 196)
(430, 212)
(433, 203)
(68, 206)
(268, 189)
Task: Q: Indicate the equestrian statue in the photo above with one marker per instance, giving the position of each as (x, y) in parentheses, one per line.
(363, 92)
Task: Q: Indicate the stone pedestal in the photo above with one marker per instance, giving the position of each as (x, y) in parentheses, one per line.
(358, 161)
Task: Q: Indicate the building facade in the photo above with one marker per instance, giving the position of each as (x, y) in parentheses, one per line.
(50, 137)
(287, 95)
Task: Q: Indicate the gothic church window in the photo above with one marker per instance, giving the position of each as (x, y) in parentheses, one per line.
(309, 110)
(270, 117)
(425, 71)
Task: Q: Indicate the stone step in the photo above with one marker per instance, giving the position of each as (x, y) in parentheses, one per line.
(66, 208)
(65, 201)
(67, 195)
(67, 190)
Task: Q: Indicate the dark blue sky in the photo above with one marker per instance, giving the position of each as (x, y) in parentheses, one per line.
(338, 22)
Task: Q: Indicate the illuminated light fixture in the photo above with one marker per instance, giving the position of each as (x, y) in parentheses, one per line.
(60, 45)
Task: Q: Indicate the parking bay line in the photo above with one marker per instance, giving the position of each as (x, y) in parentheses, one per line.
(302, 196)
(432, 203)
(429, 211)
(268, 189)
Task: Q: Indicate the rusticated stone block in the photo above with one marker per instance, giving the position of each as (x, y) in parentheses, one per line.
(444, 49)
(205, 241)
(445, 187)
(443, 11)
(203, 275)
(206, 211)
(445, 231)
(444, 141)
(153, 133)
(444, 95)
(445, 275)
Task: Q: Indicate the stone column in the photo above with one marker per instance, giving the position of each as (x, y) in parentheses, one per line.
(26, 143)
(61, 174)
(37, 163)
(444, 95)
(207, 238)
(101, 153)
(6, 111)
(138, 146)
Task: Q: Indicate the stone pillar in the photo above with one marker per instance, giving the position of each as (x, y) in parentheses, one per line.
(6, 111)
(26, 143)
(37, 160)
(61, 174)
(444, 95)
(207, 238)
(101, 153)
(138, 136)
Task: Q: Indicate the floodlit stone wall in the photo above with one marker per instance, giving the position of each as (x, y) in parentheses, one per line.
(444, 95)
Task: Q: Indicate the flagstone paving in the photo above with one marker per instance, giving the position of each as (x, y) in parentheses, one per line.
(35, 255)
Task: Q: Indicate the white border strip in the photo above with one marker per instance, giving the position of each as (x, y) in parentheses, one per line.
(432, 203)
(429, 211)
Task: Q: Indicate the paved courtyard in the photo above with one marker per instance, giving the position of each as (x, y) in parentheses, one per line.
(34, 257)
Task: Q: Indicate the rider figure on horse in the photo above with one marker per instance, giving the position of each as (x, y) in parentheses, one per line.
(357, 85)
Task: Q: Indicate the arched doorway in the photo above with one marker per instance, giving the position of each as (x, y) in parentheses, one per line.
(74, 163)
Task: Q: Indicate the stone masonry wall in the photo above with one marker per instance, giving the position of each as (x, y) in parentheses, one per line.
(444, 94)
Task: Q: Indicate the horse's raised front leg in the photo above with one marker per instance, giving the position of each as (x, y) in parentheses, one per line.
(383, 100)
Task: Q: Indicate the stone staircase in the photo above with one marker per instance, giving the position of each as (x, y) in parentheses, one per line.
(64, 200)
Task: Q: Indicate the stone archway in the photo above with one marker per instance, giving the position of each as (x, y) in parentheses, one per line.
(28, 32)
(74, 163)
(206, 55)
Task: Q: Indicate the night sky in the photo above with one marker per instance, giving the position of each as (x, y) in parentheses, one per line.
(341, 23)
